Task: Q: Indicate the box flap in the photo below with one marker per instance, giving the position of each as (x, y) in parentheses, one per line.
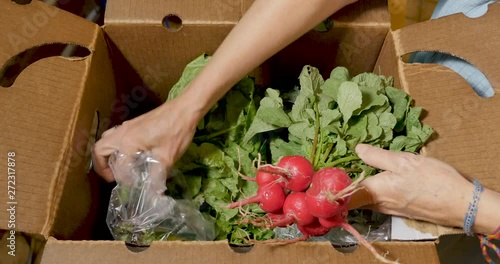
(191, 12)
(467, 135)
(409, 229)
(159, 54)
(41, 108)
(58, 252)
(467, 125)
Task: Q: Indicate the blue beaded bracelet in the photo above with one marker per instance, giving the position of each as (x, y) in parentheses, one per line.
(470, 216)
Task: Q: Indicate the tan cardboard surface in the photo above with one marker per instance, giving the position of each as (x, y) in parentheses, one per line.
(76, 252)
(159, 55)
(467, 134)
(41, 112)
(467, 126)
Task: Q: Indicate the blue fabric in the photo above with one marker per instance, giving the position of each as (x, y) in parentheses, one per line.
(471, 8)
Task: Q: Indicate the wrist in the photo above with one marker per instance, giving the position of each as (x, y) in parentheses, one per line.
(488, 213)
(186, 109)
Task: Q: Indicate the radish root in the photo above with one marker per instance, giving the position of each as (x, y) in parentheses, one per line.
(281, 241)
(367, 244)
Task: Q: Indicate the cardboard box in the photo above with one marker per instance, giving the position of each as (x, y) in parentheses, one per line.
(407, 12)
(465, 123)
(159, 54)
(50, 114)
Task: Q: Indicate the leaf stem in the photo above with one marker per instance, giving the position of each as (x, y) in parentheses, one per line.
(316, 134)
(216, 134)
(341, 160)
(327, 153)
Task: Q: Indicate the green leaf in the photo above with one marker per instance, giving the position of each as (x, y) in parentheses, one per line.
(281, 148)
(310, 83)
(387, 121)
(423, 134)
(189, 73)
(244, 157)
(340, 73)
(270, 116)
(221, 208)
(374, 128)
(357, 131)
(340, 148)
(413, 119)
(328, 116)
(371, 80)
(405, 143)
(349, 99)
(325, 102)
(401, 102)
(193, 184)
(371, 98)
(230, 183)
(214, 189)
(331, 88)
(311, 80)
(302, 130)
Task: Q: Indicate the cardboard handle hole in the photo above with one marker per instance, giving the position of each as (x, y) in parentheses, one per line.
(22, 2)
(15, 65)
(136, 249)
(474, 77)
(241, 249)
(345, 248)
(172, 22)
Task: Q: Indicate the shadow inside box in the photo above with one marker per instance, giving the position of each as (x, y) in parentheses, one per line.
(125, 107)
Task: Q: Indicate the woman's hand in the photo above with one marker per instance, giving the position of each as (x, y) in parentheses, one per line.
(422, 188)
(165, 131)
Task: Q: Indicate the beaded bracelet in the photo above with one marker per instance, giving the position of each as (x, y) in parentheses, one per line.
(470, 216)
(486, 243)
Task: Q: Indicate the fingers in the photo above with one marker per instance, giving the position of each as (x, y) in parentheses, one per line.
(386, 159)
(368, 196)
(100, 154)
(104, 148)
(359, 199)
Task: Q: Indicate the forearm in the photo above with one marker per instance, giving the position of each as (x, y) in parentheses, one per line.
(266, 28)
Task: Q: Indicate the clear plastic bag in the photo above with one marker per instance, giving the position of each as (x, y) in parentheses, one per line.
(139, 212)
(340, 237)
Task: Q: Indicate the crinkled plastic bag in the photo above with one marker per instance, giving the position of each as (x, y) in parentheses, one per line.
(139, 212)
(340, 237)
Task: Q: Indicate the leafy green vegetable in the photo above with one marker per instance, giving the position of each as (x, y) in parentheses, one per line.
(319, 119)
(330, 117)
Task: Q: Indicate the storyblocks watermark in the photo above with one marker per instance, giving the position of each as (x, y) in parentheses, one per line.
(11, 202)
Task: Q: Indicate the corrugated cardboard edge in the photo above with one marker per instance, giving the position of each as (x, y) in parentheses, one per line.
(56, 21)
(58, 182)
(77, 252)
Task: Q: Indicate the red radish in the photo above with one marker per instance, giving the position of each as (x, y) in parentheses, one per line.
(297, 170)
(270, 198)
(264, 178)
(313, 229)
(322, 197)
(334, 221)
(294, 211)
(295, 208)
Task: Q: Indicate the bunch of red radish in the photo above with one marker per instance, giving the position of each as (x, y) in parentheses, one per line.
(292, 192)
